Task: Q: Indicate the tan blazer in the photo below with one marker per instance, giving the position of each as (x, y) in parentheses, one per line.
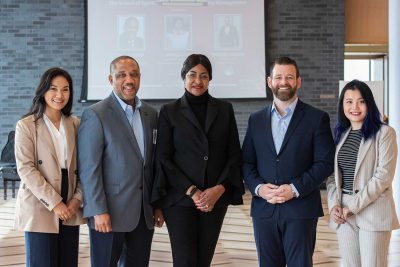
(372, 203)
(40, 174)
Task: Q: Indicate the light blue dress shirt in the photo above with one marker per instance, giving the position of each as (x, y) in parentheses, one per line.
(279, 126)
(135, 120)
(279, 123)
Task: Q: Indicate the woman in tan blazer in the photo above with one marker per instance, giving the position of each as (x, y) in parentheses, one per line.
(50, 195)
(360, 196)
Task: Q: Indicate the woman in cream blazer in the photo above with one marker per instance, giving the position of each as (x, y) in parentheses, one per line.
(50, 195)
(361, 207)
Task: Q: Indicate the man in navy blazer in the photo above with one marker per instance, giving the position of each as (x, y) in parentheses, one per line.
(288, 151)
(116, 142)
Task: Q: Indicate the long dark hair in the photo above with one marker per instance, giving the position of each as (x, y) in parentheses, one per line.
(372, 122)
(38, 103)
(194, 60)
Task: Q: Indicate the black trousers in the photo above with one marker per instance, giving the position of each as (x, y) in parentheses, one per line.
(54, 250)
(124, 249)
(193, 234)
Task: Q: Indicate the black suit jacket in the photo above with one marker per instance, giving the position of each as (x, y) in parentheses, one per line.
(305, 159)
(188, 155)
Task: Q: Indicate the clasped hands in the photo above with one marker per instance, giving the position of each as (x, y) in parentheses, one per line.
(205, 200)
(339, 215)
(67, 211)
(275, 194)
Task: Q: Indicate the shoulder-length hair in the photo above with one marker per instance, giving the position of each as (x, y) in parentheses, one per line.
(39, 104)
(194, 60)
(372, 122)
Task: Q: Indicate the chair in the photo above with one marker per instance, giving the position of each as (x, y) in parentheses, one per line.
(8, 168)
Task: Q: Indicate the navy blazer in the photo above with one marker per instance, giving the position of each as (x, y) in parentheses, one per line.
(186, 153)
(305, 159)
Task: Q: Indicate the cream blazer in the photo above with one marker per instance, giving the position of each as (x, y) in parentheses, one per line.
(372, 204)
(40, 174)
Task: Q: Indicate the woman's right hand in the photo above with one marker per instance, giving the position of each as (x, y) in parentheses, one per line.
(337, 215)
(62, 211)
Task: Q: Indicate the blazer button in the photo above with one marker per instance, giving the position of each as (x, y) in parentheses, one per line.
(356, 191)
(205, 158)
(76, 172)
(40, 161)
(277, 160)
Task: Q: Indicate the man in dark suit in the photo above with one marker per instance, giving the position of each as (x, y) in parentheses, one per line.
(115, 156)
(287, 153)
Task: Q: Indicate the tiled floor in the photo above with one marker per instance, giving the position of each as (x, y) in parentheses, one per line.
(235, 248)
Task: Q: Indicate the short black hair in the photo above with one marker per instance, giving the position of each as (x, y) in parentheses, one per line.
(116, 60)
(194, 60)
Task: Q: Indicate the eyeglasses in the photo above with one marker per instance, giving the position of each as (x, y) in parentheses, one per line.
(193, 76)
(133, 75)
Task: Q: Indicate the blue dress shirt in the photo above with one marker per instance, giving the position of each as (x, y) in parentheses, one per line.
(135, 120)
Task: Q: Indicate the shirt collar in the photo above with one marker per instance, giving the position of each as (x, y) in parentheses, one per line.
(289, 109)
(50, 123)
(138, 103)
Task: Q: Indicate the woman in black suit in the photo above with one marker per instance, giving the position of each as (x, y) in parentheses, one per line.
(198, 166)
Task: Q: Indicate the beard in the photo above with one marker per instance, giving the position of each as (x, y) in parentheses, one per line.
(284, 95)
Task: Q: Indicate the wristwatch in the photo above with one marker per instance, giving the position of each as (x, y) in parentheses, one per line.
(191, 191)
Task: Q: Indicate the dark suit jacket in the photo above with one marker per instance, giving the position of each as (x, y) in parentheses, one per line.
(305, 159)
(114, 176)
(186, 154)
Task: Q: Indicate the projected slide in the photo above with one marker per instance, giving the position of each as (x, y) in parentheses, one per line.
(161, 34)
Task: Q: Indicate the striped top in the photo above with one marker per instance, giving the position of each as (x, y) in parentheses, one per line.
(347, 158)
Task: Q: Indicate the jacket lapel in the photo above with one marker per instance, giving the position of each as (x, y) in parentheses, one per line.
(70, 136)
(188, 113)
(147, 131)
(294, 122)
(266, 124)
(212, 111)
(44, 137)
(362, 152)
(121, 122)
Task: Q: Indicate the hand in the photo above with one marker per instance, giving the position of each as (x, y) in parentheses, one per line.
(336, 214)
(158, 218)
(73, 205)
(274, 194)
(347, 213)
(62, 211)
(102, 223)
(196, 195)
(284, 192)
(267, 191)
(209, 197)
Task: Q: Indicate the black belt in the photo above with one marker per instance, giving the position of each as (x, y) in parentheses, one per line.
(347, 193)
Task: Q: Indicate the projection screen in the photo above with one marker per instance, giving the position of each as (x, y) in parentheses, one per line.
(161, 34)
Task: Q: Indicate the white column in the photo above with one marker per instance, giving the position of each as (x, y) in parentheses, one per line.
(394, 86)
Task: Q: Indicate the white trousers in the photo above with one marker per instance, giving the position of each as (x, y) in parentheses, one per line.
(360, 248)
